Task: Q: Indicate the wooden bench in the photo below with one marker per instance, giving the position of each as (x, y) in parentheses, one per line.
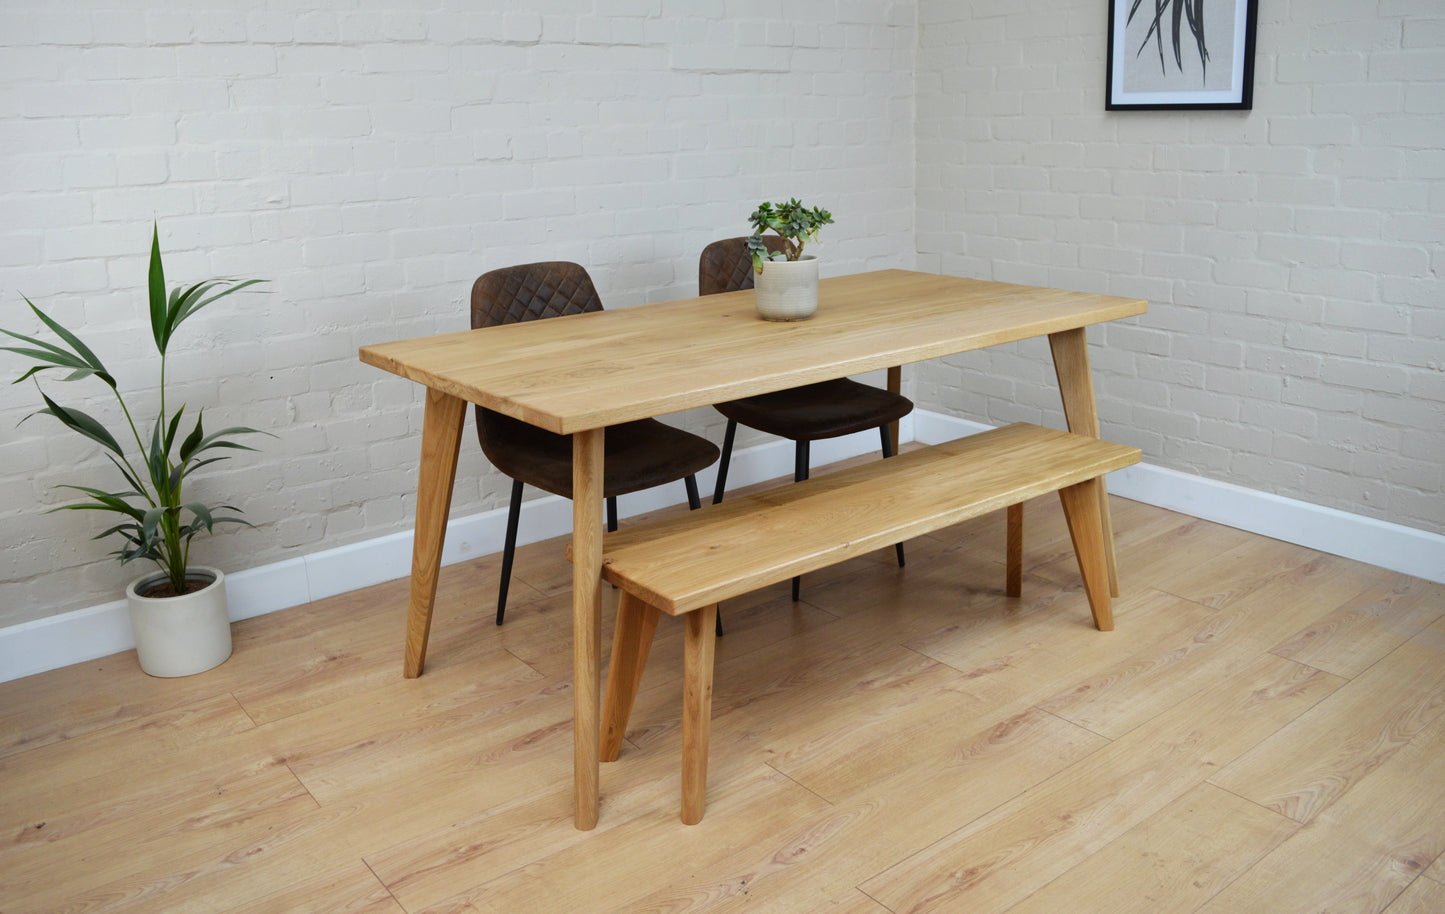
(684, 565)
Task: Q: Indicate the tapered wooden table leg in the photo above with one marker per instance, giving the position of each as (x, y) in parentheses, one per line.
(441, 437)
(1076, 387)
(1081, 511)
(587, 525)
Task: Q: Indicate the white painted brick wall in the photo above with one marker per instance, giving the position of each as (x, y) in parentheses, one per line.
(372, 162)
(1291, 254)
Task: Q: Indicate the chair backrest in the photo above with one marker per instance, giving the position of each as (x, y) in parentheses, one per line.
(532, 291)
(726, 266)
(527, 292)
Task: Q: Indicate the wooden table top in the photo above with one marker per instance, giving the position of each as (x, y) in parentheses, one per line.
(568, 374)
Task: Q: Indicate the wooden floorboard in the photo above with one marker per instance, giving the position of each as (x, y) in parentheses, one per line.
(1263, 731)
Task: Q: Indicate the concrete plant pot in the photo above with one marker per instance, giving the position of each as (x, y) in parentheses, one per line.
(182, 635)
(787, 290)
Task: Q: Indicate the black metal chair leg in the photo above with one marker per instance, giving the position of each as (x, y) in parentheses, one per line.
(888, 452)
(612, 519)
(722, 464)
(800, 473)
(509, 547)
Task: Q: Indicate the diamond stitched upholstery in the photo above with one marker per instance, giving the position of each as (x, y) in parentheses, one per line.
(532, 291)
(726, 266)
(639, 455)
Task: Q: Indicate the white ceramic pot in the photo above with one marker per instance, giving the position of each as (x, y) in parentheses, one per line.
(787, 290)
(185, 635)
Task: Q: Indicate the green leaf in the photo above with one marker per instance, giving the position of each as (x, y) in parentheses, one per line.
(141, 551)
(157, 463)
(157, 292)
(56, 361)
(194, 439)
(171, 431)
(120, 529)
(759, 250)
(138, 490)
(88, 358)
(202, 513)
(101, 501)
(179, 305)
(174, 481)
(191, 468)
(217, 439)
(197, 302)
(32, 340)
(151, 522)
(80, 422)
(53, 356)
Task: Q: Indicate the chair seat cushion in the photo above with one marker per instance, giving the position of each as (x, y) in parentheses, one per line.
(824, 410)
(639, 455)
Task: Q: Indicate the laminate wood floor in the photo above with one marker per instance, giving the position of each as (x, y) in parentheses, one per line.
(1264, 732)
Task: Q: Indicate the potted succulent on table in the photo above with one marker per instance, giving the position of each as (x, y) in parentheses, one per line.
(787, 281)
(179, 613)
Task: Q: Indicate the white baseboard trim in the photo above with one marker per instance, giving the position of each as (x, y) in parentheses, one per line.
(1394, 546)
(99, 631)
(86, 634)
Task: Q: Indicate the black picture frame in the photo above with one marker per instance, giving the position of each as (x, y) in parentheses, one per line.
(1180, 54)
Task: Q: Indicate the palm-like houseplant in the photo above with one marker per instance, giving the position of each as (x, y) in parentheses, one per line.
(156, 521)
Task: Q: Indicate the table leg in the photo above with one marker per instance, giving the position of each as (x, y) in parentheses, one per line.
(895, 386)
(587, 524)
(1081, 511)
(1076, 387)
(441, 437)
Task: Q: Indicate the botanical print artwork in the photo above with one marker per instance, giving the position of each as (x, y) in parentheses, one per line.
(1179, 45)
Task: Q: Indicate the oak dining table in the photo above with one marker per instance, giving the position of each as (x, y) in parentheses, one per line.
(579, 374)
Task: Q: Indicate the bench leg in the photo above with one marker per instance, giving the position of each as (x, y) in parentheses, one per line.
(696, 710)
(636, 626)
(1086, 529)
(1014, 574)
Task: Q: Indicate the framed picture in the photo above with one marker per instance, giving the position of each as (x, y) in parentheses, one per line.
(1181, 54)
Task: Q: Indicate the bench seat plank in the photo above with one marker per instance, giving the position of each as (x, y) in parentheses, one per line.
(694, 560)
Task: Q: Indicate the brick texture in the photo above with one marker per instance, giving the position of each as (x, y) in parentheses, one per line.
(1291, 254)
(371, 162)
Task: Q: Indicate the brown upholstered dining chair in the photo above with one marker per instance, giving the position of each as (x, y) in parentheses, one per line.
(638, 455)
(828, 409)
